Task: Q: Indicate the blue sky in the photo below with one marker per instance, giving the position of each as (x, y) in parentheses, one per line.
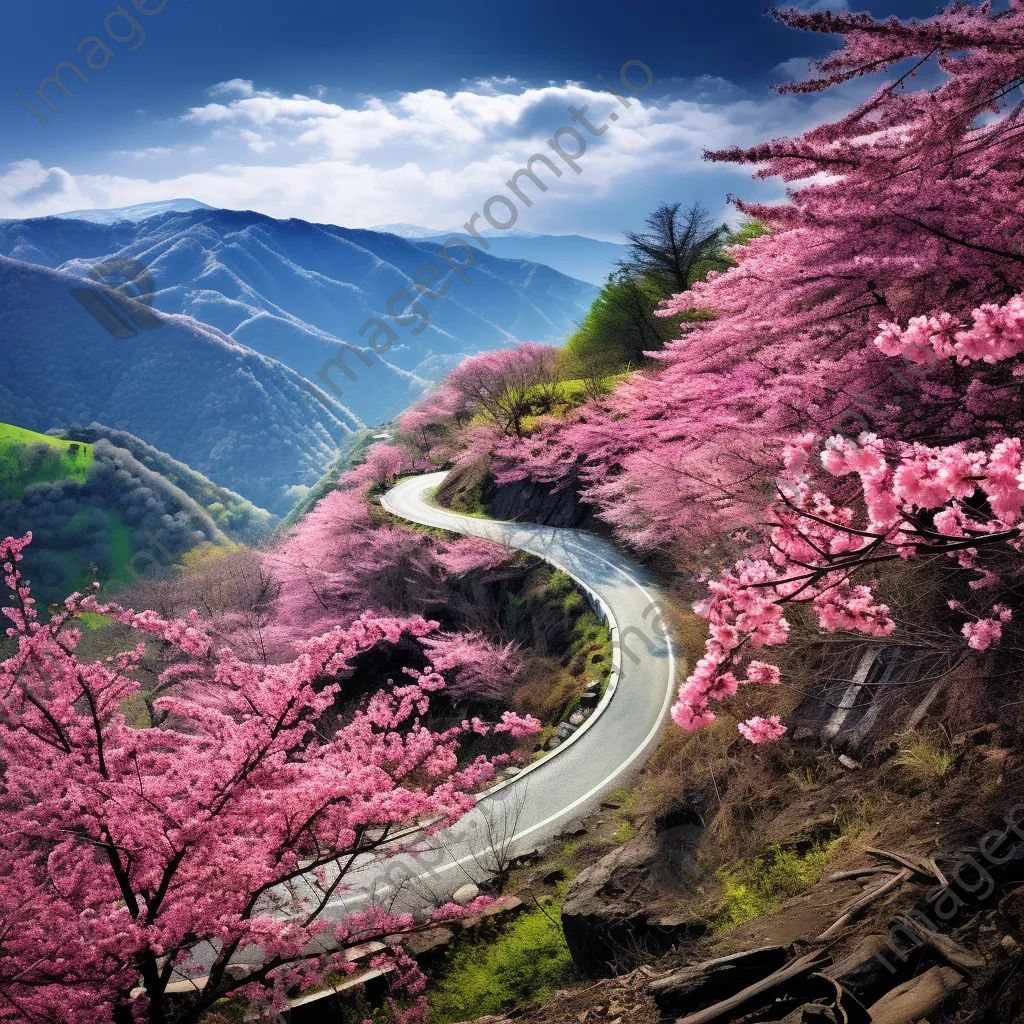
(399, 111)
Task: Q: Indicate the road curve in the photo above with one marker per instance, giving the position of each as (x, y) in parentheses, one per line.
(531, 808)
(566, 786)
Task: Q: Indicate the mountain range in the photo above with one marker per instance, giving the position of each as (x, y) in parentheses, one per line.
(588, 259)
(139, 212)
(294, 291)
(238, 417)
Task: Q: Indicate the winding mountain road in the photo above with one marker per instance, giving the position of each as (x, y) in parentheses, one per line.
(545, 798)
(569, 783)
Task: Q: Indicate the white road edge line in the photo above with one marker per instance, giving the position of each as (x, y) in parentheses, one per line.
(651, 735)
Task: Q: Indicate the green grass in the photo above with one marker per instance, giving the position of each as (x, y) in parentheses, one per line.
(469, 504)
(625, 832)
(755, 888)
(20, 466)
(94, 620)
(527, 961)
(573, 392)
(926, 760)
(570, 847)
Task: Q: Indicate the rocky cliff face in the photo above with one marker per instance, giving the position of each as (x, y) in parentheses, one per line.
(532, 502)
(621, 909)
(471, 488)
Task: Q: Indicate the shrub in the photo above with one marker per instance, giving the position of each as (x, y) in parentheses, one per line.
(527, 961)
(760, 887)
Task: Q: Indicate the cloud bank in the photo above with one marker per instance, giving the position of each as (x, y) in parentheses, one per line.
(429, 156)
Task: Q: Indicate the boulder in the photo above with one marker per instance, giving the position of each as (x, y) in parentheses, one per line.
(466, 893)
(624, 904)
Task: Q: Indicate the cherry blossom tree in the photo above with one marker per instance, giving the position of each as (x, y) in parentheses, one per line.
(478, 669)
(948, 502)
(501, 383)
(473, 555)
(213, 844)
(907, 207)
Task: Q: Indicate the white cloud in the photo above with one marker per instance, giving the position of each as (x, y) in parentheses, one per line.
(434, 157)
(152, 153)
(796, 69)
(257, 143)
(233, 87)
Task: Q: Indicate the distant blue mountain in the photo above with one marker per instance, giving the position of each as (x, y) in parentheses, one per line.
(240, 418)
(294, 291)
(407, 230)
(587, 259)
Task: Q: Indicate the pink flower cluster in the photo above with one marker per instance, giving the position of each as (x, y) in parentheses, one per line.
(997, 333)
(740, 614)
(762, 730)
(981, 635)
(230, 825)
(920, 497)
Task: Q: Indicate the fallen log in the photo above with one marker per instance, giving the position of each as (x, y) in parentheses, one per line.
(688, 990)
(764, 990)
(916, 865)
(865, 971)
(842, 876)
(948, 948)
(862, 902)
(915, 999)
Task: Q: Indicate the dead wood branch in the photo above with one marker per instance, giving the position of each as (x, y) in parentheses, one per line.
(862, 902)
(918, 866)
(916, 998)
(842, 876)
(948, 948)
(687, 990)
(804, 965)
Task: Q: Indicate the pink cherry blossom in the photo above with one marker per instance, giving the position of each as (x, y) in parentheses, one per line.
(983, 634)
(762, 730)
(126, 849)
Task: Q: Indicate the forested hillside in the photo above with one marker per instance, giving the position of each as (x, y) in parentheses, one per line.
(233, 415)
(240, 520)
(97, 513)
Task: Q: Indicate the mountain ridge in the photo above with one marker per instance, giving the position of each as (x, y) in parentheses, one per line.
(139, 211)
(296, 291)
(233, 414)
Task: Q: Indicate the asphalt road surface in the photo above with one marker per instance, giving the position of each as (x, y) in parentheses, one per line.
(547, 797)
(545, 800)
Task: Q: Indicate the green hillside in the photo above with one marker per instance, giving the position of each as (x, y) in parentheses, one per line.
(96, 512)
(30, 458)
